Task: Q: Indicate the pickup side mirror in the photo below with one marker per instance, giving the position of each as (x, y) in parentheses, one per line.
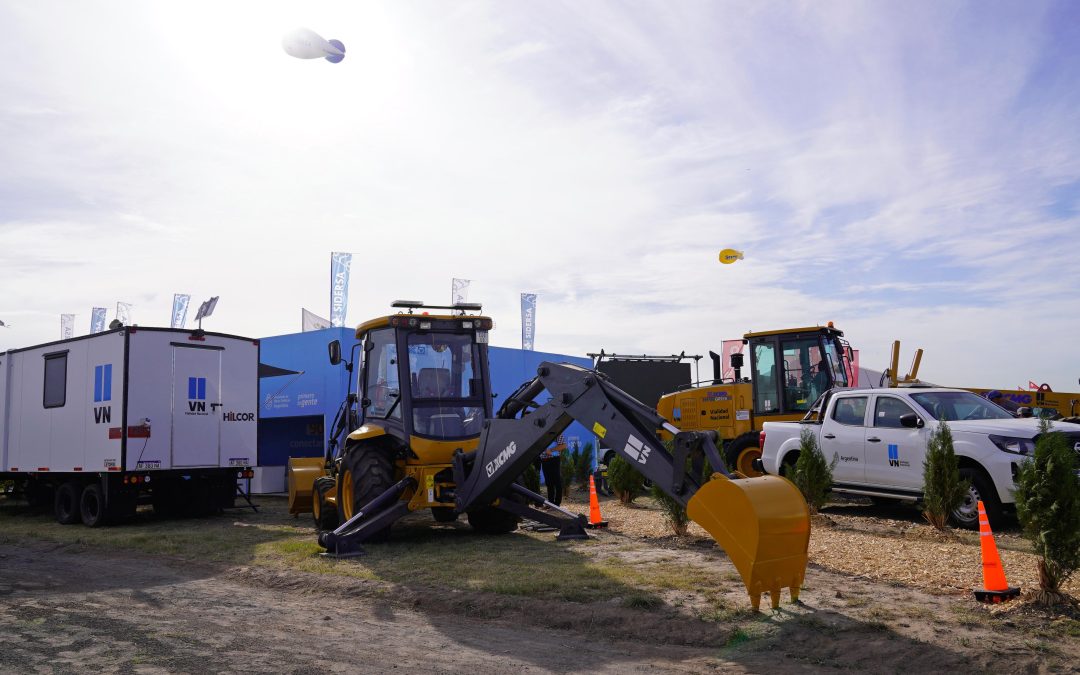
(335, 352)
(912, 421)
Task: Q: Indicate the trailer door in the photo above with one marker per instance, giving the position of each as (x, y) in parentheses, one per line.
(196, 409)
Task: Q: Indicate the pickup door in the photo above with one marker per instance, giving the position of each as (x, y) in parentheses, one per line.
(894, 454)
(843, 434)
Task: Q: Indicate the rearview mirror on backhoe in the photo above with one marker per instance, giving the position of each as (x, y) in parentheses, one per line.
(335, 352)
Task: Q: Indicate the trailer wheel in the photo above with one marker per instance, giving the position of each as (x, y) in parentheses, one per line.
(66, 503)
(326, 516)
(92, 506)
(741, 453)
(366, 472)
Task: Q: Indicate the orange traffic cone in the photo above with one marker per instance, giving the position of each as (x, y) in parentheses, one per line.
(995, 588)
(594, 506)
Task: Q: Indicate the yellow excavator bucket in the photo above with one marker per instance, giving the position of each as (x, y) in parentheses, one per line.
(302, 474)
(764, 525)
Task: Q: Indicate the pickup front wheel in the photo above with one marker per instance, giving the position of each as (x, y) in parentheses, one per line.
(741, 453)
(979, 487)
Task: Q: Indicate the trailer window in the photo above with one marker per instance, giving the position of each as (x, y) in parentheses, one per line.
(55, 380)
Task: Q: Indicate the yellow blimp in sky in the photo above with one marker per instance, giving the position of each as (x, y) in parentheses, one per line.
(730, 255)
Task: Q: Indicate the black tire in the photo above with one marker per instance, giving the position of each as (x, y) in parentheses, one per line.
(66, 503)
(367, 471)
(92, 506)
(981, 487)
(325, 515)
(787, 468)
(444, 515)
(741, 452)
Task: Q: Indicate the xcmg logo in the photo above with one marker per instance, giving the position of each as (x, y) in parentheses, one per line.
(102, 393)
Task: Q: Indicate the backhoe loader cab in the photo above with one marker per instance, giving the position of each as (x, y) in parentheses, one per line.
(789, 369)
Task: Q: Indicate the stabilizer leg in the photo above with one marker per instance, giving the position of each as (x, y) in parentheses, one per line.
(381, 512)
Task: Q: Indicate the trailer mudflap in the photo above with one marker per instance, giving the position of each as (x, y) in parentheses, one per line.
(302, 474)
(763, 524)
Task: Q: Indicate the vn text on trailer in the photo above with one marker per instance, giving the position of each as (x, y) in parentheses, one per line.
(97, 424)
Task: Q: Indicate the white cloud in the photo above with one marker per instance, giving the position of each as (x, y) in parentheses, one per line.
(887, 170)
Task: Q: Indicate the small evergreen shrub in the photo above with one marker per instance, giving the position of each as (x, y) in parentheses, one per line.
(943, 490)
(583, 466)
(812, 474)
(625, 481)
(673, 510)
(531, 478)
(1048, 506)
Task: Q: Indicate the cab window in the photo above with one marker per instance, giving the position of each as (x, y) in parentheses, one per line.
(850, 411)
(888, 410)
(382, 390)
(806, 373)
(766, 398)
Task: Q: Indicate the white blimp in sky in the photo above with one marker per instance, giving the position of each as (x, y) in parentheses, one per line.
(304, 43)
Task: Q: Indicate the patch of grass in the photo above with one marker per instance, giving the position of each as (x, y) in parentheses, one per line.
(856, 601)
(737, 637)
(720, 611)
(966, 616)
(518, 564)
(642, 601)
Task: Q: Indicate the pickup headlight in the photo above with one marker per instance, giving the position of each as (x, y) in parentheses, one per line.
(1017, 446)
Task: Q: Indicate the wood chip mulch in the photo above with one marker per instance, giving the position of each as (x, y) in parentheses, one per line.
(903, 550)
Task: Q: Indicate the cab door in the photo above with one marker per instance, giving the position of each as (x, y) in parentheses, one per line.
(843, 434)
(894, 453)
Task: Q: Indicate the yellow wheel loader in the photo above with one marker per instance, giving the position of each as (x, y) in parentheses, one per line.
(789, 370)
(424, 437)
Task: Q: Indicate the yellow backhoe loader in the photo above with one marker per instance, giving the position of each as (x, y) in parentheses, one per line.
(423, 436)
(789, 370)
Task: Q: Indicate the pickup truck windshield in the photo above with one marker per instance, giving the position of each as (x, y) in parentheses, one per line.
(952, 406)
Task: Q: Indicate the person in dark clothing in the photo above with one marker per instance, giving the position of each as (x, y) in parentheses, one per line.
(550, 466)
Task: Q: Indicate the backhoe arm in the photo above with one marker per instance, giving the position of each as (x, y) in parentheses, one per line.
(763, 523)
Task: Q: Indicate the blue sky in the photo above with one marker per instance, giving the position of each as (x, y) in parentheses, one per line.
(907, 170)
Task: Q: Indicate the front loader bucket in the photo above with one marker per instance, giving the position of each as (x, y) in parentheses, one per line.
(764, 525)
(302, 474)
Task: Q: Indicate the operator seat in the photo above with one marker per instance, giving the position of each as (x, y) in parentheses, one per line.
(436, 421)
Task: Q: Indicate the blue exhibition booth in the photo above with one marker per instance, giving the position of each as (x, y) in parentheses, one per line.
(300, 393)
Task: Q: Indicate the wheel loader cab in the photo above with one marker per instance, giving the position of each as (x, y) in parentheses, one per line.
(791, 368)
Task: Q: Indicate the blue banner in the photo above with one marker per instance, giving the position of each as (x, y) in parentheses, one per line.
(528, 321)
(97, 320)
(339, 287)
(179, 309)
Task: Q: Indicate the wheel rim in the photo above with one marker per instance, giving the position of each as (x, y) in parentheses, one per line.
(744, 464)
(316, 505)
(347, 493)
(968, 511)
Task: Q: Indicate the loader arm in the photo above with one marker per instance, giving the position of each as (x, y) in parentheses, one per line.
(763, 523)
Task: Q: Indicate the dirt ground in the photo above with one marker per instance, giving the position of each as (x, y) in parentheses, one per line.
(79, 607)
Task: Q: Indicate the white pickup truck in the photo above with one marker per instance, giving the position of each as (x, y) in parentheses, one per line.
(877, 438)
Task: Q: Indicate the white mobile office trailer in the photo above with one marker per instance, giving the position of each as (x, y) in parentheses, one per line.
(97, 424)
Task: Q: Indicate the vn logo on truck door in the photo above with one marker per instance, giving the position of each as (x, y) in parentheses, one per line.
(196, 396)
(102, 393)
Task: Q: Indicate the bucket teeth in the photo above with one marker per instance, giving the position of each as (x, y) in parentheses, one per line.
(763, 524)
